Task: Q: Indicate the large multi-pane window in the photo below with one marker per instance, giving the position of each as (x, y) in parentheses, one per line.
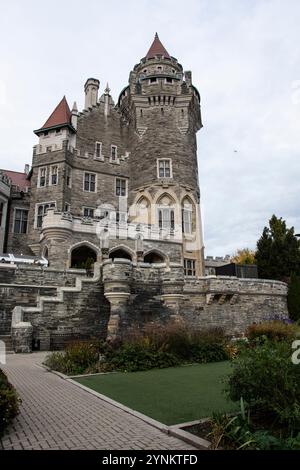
(187, 220)
(120, 187)
(20, 221)
(90, 182)
(189, 267)
(54, 175)
(164, 168)
(42, 177)
(41, 210)
(166, 218)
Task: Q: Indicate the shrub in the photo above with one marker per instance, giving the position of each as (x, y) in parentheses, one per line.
(76, 358)
(9, 402)
(267, 379)
(273, 330)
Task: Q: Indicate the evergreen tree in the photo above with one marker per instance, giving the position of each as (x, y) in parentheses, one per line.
(278, 251)
(294, 297)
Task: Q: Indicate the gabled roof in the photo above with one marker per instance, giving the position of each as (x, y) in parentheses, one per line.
(157, 49)
(18, 179)
(61, 115)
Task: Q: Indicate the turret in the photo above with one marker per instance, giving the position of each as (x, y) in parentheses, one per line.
(91, 88)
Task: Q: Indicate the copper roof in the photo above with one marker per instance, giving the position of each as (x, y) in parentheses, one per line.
(157, 49)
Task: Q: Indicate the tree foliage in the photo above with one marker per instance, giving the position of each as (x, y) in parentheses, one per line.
(294, 297)
(244, 256)
(278, 251)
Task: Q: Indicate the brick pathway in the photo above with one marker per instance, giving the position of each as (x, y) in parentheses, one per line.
(56, 414)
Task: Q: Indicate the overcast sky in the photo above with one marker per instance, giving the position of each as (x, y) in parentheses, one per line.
(245, 60)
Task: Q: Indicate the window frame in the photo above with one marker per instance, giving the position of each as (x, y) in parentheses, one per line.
(22, 209)
(126, 187)
(97, 143)
(95, 182)
(41, 168)
(89, 209)
(192, 267)
(51, 174)
(184, 211)
(171, 218)
(69, 176)
(164, 168)
(37, 215)
(115, 159)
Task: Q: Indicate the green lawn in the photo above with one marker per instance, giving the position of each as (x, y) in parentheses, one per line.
(171, 396)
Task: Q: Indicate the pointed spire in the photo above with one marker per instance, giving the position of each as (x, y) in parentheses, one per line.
(107, 89)
(61, 115)
(74, 109)
(157, 49)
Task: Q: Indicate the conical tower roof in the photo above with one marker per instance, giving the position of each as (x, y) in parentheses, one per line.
(157, 49)
(61, 115)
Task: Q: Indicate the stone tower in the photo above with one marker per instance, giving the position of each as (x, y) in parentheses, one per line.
(161, 108)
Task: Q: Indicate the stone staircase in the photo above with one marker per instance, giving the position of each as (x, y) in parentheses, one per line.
(8, 343)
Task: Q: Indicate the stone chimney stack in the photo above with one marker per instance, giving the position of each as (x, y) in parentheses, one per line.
(91, 88)
(26, 169)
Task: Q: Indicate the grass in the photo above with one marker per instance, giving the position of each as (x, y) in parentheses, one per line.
(171, 396)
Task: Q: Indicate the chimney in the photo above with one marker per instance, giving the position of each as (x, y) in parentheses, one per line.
(26, 169)
(91, 88)
(188, 78)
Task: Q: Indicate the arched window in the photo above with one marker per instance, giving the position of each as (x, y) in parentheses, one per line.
(154, 257)
(165, 213)
(120, 253)
(187, 216)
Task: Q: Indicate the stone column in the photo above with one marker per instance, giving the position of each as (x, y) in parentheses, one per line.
(117, 281)
(172, 291)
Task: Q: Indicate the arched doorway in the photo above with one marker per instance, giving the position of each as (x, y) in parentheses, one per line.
(83, 257)
(119, 253)
(154, 257)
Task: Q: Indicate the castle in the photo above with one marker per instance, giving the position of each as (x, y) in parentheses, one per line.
(115, 189)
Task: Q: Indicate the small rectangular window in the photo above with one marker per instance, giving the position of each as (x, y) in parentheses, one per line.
(20, 222)
(90, 182)
(98, 150)
(88, 212)
(69, 177)
(169, 80)
(164, 168)
(113, 155)
(120, 187)
(67, 207)
(189, 267)
(53, 175)
(42, 177)
(153, 80)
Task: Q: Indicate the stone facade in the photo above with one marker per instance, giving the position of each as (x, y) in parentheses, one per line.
(114, 188)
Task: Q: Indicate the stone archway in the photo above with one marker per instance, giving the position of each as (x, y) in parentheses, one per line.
(120, 253)
(154, 257)
(83, 257)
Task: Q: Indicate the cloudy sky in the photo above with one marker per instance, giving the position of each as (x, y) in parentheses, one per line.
(245, 59)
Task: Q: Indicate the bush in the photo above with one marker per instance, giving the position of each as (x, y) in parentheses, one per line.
(267, 380)
(76, 358)
(9, 402)
(273, 330)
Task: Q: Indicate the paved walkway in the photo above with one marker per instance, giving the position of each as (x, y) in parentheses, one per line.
(56, 414)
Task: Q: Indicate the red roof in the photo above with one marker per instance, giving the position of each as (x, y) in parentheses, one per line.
(61, 115)
(18, 178)
(157, 49)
